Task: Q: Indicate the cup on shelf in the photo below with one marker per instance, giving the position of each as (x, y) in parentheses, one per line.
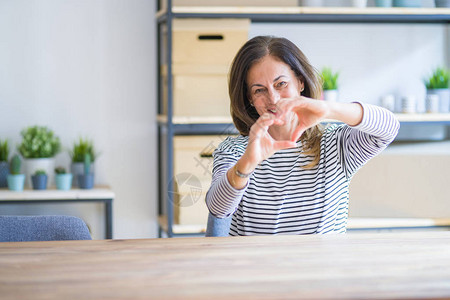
(408, 104)
(432, 103)
(388, 102)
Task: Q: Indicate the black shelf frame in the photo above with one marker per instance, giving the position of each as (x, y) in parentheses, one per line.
(167, 129)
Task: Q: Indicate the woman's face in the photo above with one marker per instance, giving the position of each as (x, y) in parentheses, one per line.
(270, 80)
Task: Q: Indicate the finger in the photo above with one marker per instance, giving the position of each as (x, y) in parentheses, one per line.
(297, 134)
(262, 125)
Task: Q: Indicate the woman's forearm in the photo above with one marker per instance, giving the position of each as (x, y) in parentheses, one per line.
(349, 113)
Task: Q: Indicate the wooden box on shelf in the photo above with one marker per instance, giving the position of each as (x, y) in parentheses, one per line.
(199, 91)
(202, 55)
(192, 169)
(208, 42)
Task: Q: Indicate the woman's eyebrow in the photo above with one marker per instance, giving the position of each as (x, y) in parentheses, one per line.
(260, 85)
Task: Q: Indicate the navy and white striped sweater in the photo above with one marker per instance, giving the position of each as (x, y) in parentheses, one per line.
(283, 198)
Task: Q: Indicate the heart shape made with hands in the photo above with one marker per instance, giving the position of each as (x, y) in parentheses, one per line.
(299, 114)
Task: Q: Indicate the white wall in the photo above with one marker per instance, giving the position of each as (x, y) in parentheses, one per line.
(87, 68)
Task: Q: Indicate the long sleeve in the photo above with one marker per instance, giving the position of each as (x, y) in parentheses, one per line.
(358, 144)
(222, 199)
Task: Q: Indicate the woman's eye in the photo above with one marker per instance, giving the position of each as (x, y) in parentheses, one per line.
(282, 84)
(258, 91)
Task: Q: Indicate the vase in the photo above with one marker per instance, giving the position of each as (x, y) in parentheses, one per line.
(407, 3)
(444, 99)
(359, 3)
(442, 3)
(383, 3)
(39, 181)
(76, 169)
(63, 181)
(33, 164)
(330, 95)
(16, 182)
(86, 181)
(4, 171)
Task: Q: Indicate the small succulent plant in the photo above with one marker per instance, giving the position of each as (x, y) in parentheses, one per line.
(4, 150)
(329, 79)
(87, 163)
(40, 172)
(39, 142)
(15, 165)
(439, 79)
(60, 170)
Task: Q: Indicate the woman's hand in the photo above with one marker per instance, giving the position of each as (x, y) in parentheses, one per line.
(310, 112)
(261, 145)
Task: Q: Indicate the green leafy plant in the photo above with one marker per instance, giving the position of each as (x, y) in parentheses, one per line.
(15, 165)
(60, 170)
(39, 142)
(87, 163)
(329, 79)
(40, 172)
(438, 80)
(4, 150)
(81, 148)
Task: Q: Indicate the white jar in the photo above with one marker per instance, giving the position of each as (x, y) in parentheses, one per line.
(388, 102)
(408, 104)
(432, 103)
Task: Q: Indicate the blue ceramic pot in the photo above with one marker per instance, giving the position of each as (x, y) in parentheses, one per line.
(86, 181)
(407, 3)
(4, 171)
(39, 181)
(383, 3)
(16, 182)
(63, 181)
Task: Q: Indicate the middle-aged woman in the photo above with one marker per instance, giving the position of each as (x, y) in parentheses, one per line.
(284, 173)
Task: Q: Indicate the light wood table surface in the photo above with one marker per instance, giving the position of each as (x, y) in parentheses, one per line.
(370, 266)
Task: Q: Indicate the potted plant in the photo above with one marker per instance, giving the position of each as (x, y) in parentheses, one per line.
(63, 179)
(438, 84)
(86, 180)
(329, 84)
(38, 148)
(4, 167)
(39, 180)
(15, 179)
(80, 149)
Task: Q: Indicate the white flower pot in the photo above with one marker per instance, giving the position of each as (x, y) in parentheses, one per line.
(330, 95)
(444, 99)
(31, 165)
(359, 3)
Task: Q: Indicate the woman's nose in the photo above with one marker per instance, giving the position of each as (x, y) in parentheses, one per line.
(274, 96)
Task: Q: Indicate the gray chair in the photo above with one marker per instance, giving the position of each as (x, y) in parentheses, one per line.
(42, 228)
(218, 227)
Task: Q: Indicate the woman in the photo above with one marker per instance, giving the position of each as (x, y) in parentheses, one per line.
(284, 173)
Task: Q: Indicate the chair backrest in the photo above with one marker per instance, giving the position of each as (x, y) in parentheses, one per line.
(42, 228)
(218, 227)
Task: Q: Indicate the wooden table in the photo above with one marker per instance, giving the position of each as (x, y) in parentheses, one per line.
(377, 266)
(97, 194)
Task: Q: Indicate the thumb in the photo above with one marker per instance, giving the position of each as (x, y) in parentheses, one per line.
(297, 134)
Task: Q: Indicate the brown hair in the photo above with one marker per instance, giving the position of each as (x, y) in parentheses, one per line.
(244, 115)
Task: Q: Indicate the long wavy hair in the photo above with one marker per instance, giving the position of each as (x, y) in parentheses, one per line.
(244, 115)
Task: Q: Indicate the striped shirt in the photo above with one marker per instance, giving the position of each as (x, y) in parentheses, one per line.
(281, 197)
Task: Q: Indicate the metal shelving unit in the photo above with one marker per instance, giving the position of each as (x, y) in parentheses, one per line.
(168, 126)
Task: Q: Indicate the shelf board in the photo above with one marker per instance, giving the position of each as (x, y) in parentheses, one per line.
(424, 118)
(314, 14)
(404, 118)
